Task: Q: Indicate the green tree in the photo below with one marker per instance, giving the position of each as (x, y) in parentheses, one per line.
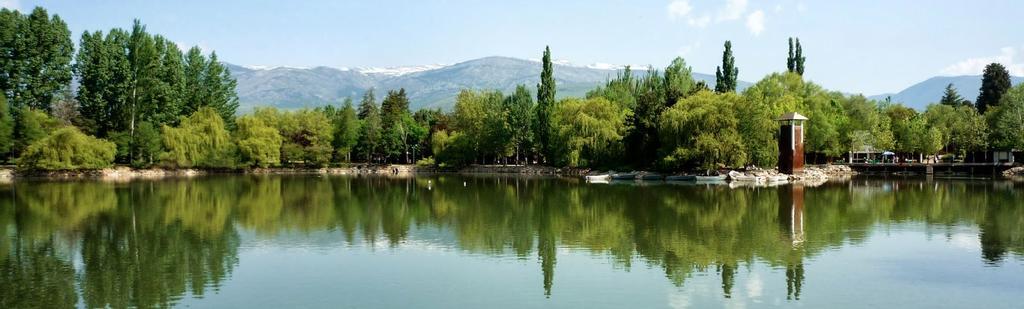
(770, 97)
(703, 131)
(678, 81)
(995, 81)
(346, 131)
(951, 97)
(545, 104)
(259, 142)
(1006, 120)
(393, 110)
(368, 143)
(619, 90)
(103, 68)
(307, 136)
(799, 57)
(727, 74)
(200, 140)
(6, 128)
(67, 149)
(795, 61)
(35, 57)
(588, 132)
(520, 115)
(220, 89)
(642, 137)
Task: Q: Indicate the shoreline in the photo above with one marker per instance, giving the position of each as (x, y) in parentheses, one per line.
(812, 174)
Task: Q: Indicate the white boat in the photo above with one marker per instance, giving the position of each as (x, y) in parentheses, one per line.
(597, 178)
(777, 178)
(737, 176)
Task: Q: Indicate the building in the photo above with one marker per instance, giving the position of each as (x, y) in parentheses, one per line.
(791, 143)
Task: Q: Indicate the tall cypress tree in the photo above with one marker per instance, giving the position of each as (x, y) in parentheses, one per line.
(798, 58)
(545, 104)
(791, 60)
(725, 75)
(994, 84)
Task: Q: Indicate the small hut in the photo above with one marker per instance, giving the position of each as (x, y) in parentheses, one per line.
(791, 143)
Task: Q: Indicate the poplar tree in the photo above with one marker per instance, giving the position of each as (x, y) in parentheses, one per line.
(545, 104)
(994, 84)
(799, 58)
(725, 75)
(35, 57)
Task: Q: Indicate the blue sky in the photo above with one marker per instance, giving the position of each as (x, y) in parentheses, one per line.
(867, 46)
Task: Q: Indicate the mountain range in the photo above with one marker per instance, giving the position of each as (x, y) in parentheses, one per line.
(919, 95)
(436, 86)
(432, 86)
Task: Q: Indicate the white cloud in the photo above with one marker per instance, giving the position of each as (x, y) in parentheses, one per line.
(778, 8)
(755, 22)
(699, 22)
(800, 7)
(10, 4)
(679, 8)
(1008, 57)
(685, 50)
(733, 10)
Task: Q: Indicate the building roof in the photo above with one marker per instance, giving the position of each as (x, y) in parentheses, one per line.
(791, 116)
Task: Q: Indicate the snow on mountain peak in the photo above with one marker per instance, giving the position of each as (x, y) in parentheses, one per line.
(399, 71)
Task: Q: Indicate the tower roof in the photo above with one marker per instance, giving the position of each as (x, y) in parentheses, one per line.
(791, 116)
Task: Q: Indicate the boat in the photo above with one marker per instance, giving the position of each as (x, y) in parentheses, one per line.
(651, 177)
(777, 178)
(624, 176)
(596, 178)
(681, 178)
(715, 178)
(737, 176)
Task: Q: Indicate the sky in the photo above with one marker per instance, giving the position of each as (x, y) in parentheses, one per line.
(868, 46)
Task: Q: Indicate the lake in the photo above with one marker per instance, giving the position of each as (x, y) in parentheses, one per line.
(509, 242)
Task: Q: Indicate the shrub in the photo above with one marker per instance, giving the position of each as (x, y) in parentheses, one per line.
(68, 149)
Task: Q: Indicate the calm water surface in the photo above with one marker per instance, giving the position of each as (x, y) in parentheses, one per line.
(492, 242)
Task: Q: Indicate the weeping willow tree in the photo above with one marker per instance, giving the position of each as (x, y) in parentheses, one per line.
(67, 149)
(703, 130)
(589, 132)
(202, 140)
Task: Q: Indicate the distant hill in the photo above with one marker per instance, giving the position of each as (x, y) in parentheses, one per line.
(428, 86)
(919, 95)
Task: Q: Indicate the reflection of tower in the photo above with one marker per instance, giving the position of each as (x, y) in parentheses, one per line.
(791, 212)
(791, 217)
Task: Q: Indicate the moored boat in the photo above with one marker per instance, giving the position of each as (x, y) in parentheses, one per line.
(715, 178)
(737, 176)
(624, 176)
(596, 178)
(681, 178)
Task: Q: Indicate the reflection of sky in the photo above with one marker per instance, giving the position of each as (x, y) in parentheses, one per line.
(900, 265)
